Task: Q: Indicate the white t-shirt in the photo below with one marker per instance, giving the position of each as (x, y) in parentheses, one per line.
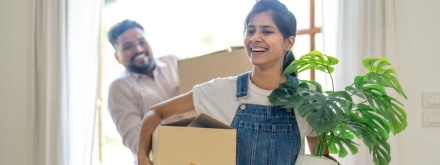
(217, 98)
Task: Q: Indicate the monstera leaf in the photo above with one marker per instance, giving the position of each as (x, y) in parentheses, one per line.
(324, 112)
(382, 74)
(313, 60)
(381, 103)
(285, 95)
(341, 137)
(334, 115)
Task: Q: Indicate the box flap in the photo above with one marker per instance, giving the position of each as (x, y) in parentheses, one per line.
(182, 122)
(206, 121)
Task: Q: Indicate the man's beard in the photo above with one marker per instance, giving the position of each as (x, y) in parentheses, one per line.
(142, 69)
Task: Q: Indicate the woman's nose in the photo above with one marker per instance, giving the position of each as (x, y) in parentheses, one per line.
(255, 38)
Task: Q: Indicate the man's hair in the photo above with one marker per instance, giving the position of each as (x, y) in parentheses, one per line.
(120, 28)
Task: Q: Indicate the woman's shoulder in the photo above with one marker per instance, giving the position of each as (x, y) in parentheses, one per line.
(220, 81)
(225, 79)
(217, 85)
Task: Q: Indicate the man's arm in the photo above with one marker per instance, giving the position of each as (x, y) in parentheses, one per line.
(125, 114)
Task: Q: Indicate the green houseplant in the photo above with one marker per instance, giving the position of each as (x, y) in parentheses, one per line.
(363, 110)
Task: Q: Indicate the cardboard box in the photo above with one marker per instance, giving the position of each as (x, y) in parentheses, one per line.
(225, 63)
(199, 140)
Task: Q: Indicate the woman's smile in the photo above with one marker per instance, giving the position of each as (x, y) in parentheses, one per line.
(257, 50)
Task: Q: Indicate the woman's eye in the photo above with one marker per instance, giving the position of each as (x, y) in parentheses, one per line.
(267, 32)
(250, 32)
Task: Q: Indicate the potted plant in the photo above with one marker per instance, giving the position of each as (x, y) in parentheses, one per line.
(364, 110)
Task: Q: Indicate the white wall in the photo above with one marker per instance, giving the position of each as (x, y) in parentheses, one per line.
(16, 74)
(418, 43)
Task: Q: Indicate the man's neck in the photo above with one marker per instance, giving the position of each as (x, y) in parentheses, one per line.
(150, 74)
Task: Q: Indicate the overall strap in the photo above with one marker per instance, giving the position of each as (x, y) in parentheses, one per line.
(242, 84)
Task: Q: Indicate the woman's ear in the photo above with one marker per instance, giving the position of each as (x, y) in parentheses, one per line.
(289, 43)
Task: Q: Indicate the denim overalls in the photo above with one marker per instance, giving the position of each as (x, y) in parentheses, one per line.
(266, 135)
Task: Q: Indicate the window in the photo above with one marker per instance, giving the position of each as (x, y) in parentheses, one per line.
(185, 29)
(308, 36)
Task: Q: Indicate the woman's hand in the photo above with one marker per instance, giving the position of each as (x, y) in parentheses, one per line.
(144, 160)
(177, 105)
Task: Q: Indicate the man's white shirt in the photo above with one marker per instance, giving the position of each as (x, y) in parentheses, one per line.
(132, 94)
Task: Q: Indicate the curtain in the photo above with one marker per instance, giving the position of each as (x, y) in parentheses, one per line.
(364, 29)
(67, 49)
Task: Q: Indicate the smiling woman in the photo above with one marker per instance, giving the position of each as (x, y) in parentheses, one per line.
(184, 29)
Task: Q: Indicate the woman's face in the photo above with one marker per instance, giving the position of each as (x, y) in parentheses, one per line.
(264, 42)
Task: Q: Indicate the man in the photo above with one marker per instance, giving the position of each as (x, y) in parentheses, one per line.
(145, 82)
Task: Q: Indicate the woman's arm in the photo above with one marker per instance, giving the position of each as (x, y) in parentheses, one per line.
(312, 146)
(153, 117)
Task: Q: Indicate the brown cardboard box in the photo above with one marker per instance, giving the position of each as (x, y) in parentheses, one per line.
(199, 140)
(196, 70)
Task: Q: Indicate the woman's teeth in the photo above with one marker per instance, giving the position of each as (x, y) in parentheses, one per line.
(258, 49)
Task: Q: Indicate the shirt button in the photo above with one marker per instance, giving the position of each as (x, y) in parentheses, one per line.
(242, 107)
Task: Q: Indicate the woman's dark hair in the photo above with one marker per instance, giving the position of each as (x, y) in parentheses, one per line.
(120, 28)
(283, 18)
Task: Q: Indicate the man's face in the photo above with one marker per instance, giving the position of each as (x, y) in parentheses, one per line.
(134, 52)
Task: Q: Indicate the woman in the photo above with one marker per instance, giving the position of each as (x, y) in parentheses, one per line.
(242, 100)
